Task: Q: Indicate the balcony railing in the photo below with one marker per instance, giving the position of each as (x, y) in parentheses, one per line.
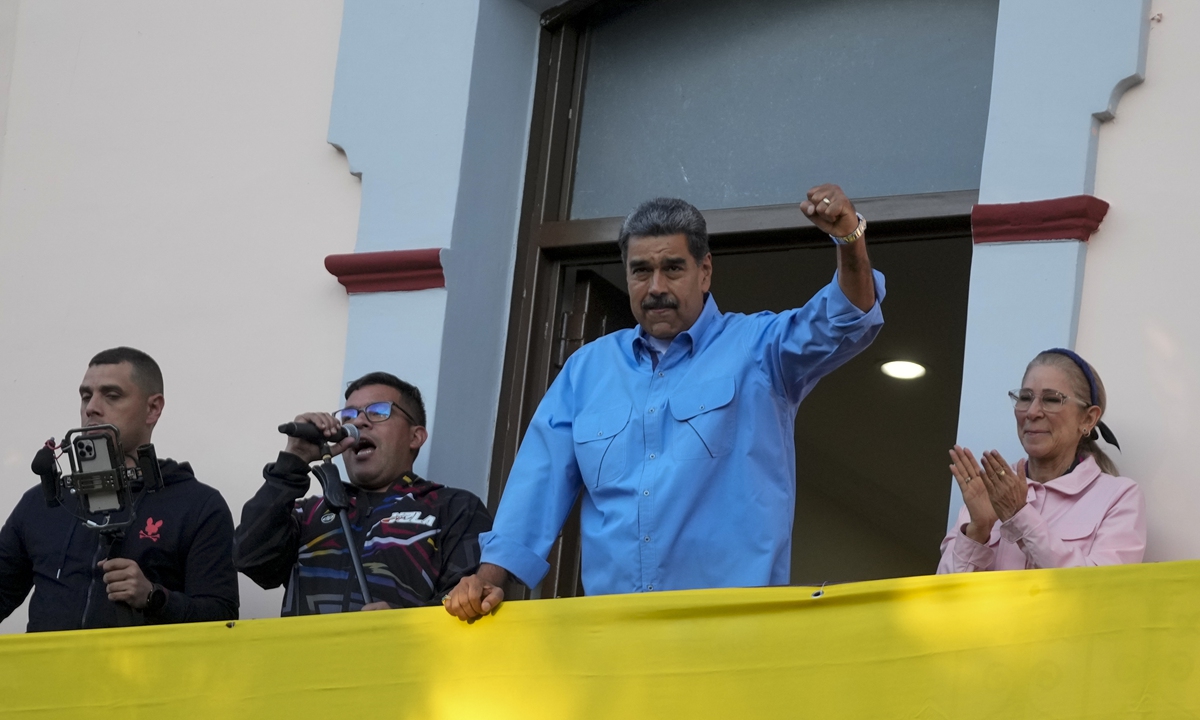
(1115, 642)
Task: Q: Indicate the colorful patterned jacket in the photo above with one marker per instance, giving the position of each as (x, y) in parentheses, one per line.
(417, 539)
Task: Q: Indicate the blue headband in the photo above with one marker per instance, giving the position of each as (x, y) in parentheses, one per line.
(1095, 393)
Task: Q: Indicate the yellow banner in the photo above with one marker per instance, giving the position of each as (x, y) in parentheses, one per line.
(1118, 642)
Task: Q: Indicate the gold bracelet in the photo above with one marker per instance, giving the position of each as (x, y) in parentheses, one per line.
(858, 232)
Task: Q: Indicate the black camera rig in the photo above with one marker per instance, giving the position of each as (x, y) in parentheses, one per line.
(100, 483)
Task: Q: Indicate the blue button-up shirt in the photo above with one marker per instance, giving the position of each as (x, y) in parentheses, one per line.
(688, 468)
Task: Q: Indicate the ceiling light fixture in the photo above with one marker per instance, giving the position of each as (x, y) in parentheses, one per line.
(903, 370)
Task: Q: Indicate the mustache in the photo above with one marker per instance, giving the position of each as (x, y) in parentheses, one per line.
(660, 302)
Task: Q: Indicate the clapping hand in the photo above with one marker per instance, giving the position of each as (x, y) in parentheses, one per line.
(968, 474)
(1006, 486)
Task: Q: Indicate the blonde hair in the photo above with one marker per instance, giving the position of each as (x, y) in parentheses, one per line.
(1088, 446)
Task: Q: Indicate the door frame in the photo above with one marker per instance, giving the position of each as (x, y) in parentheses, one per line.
(548, 240)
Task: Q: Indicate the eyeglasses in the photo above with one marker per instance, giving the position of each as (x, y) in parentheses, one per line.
(1052, 400)
(375, 412)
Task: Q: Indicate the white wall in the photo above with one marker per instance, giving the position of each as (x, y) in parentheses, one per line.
(167, 184)
(1139, 322)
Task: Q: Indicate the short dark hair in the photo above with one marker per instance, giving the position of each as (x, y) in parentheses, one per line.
(146, 373)
(409, 393)
(661, 217)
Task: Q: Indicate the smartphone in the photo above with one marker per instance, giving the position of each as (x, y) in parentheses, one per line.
(94, 454)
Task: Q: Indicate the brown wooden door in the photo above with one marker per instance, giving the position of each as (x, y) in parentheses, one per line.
(597, 307)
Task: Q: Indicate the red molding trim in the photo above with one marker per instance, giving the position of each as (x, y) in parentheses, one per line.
(1075, 217)
(388, 271)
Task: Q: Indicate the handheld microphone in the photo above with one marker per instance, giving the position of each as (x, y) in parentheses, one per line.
(311, 433)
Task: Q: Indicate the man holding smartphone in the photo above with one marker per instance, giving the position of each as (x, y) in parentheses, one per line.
(174, 564)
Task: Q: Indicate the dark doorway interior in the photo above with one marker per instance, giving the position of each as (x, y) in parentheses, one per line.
(872, 478)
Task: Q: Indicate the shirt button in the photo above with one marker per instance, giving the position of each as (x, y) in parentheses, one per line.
(649, 587)
(661, 375)
(651, 456)
(701, 407)
(600, 434)
(651, 411)
(646, 493)
(647, 538)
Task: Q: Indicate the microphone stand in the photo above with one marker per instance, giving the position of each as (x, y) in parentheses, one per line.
(336, 498)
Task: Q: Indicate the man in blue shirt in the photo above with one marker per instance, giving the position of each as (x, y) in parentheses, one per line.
(679, 432)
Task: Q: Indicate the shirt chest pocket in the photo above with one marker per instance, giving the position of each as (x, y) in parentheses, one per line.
(602, 443)
(1078, 532)
(705, 420)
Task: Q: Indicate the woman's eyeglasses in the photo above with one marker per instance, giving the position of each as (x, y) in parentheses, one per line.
(1052, 400)
(375, 412)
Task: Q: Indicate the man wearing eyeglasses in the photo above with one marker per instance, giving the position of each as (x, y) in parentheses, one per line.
(417, 539)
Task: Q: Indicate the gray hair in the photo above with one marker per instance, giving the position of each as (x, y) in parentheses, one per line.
(1080, 388)
(661, 217)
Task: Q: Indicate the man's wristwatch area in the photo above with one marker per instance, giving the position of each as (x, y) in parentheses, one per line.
(155, 600)
(856, 235)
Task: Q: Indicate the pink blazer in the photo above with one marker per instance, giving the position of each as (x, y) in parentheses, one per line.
(1082, 518)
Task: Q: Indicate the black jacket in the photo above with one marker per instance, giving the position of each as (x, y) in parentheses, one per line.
(182, 539)
(417, 539)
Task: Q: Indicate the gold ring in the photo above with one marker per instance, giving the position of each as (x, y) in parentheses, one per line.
(827, 201)
(445, 598)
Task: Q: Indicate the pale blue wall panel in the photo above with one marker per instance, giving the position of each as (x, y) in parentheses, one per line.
(431, 104)
(479, 263)
(1060, 69)
(399, 333)
(1024, 299)
(399, 112)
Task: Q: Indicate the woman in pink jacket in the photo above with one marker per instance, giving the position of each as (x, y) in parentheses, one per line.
(1064, 506)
